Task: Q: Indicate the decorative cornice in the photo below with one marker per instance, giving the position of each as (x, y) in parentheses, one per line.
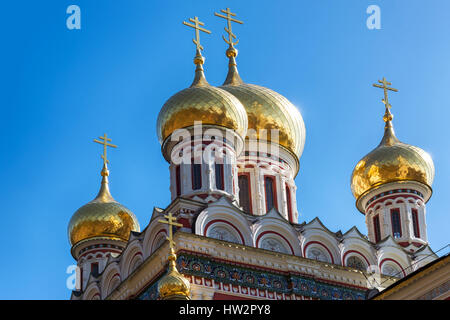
(408, 280)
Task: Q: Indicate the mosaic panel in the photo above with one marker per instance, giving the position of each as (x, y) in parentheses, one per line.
(257, 279)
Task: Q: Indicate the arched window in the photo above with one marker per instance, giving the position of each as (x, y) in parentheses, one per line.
(269, 187)
(219, 176)
(390, 270)
(244, 192)
(356, 263)
(178, 180)
(223, 233)
(289, 203)
(80, 278)
(158, 241)
(94, 268)
(196, 176)
(376, 228)
(317, 254)
(415, 220)
(396, 224)
(272, 244)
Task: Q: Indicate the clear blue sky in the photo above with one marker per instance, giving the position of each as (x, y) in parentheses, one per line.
(61, 88)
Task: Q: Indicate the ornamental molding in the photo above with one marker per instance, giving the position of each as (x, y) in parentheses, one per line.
(256, 259)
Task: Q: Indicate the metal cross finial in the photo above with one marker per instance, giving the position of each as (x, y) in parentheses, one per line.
(197, 26)
(385, 88)
(228, 30)
(171, 222)
(105, 145)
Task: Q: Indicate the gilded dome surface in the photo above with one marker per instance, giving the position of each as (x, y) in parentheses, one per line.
(391, 161)
(201, 102)
(103, 217)
(173, 285)
(267, 109)
(208, 104)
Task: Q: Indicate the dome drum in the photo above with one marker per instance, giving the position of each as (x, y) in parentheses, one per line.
(256, 149)
(174, 144)
(114, 245)
(362, 202)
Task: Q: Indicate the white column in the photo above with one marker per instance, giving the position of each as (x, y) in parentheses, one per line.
(294, 201)
(408, 221)
(186, 178)
(208, 177)
(260, 196)
(369, 224)
(421, 212)
(283, 197)
(234, 182)
(385, 221)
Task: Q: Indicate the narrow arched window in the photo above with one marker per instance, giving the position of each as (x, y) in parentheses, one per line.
(269, 186)
(415, 220)
(219, 176)
(245, 193)
(396, 224)
(196, 169)
(289, 203)
(376, 228)
(94, 268)
(178, 180)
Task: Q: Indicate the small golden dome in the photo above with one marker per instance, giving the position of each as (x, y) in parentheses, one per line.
(391, 161)
(173, 285)
(267, 109)
(103, 218)
(201, 102)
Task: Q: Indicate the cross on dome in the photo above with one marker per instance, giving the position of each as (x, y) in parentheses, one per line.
(228, 30)
(197, 26)
(387, 116)
(105, 144)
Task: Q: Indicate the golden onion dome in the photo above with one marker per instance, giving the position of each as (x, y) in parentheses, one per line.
(391, 161)
(201, 102)
(102, 218)
(173, 285)
(267, 110)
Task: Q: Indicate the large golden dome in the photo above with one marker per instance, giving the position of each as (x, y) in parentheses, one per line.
(267, 109)
(391, 161)
(201, 102)
(102, 218)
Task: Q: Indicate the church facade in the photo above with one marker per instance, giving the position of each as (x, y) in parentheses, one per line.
(233, 152)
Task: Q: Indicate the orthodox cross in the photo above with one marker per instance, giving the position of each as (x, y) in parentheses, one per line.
(171, 222)
(197, 26)
(385, 88)
(105, 144)
(228, 30)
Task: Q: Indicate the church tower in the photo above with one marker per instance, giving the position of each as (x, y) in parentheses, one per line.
(274, 142)
(201, 130)
(392, 185)
(100, 228)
